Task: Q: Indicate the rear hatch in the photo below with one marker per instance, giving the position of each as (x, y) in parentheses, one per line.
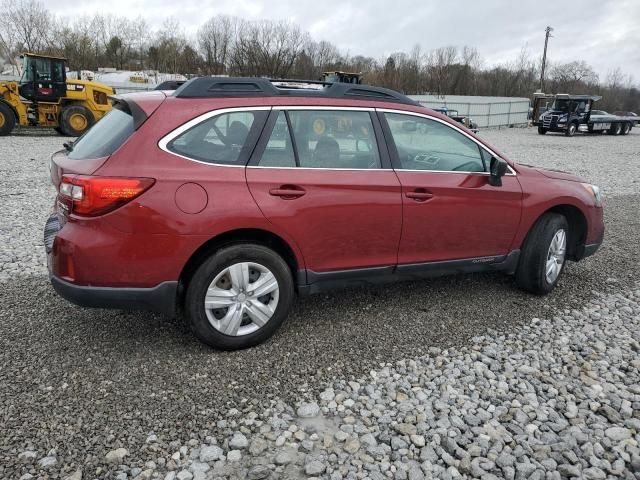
(73, 169)
(88, 153)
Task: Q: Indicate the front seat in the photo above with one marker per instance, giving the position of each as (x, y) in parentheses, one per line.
(327, 152)
(237, 134)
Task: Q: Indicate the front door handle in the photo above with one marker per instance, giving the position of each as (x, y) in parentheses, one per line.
(288, 192)
(419, 195)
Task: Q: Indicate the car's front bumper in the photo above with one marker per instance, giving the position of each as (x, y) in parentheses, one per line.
(591, 249)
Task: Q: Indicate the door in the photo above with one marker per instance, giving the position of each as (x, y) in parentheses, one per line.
(450, 210)
(320, 176)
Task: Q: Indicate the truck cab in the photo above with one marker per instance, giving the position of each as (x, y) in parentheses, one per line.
(569, 114)
(564, 113)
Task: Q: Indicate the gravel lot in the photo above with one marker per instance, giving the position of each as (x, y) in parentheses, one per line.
(454, 376)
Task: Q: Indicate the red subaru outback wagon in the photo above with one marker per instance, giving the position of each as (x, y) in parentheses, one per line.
(223, 199)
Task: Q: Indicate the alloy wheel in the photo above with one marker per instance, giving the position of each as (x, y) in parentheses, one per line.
(556, 255)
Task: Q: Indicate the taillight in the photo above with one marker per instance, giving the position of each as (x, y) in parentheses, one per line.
(92, 196)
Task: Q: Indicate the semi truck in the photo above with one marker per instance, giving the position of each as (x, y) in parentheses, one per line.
(568, 114)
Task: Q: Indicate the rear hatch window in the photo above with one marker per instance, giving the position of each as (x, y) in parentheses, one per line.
(106, 136)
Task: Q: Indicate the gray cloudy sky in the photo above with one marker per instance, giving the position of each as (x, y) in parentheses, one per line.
(604, 33)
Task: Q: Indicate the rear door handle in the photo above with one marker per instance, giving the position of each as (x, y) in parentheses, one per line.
(287, 192)
(419, 195)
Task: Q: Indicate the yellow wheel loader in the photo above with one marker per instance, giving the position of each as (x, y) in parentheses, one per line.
(45, 97)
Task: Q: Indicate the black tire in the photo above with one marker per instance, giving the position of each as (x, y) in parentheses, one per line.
(7, 119)
(194, 310)
(626, 128)
(67, 123)
(531, 271)
(615, 129)
(542, 130)
(59, 130)
(572, 128)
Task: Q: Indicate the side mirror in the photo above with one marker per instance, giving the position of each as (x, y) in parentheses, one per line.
(497, 169)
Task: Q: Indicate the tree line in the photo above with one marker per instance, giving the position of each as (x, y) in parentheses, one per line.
(226, 45)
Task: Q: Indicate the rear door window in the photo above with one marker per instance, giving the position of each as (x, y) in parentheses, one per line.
(334, 139)
(227, 138)
(106, 136)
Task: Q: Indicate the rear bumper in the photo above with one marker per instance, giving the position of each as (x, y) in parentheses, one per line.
(161, 298)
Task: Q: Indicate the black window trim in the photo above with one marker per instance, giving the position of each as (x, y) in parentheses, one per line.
(263, 141)
(393, 149)
(247, 149)
(383, 152)
(292, 138)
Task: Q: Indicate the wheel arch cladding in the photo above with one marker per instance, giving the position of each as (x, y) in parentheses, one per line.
(234, 237)
(578, 227)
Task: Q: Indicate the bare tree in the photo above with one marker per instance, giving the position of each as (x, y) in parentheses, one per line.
(75, 41)
(25, 25)
(168, 46)
(215, 39)
(567, 76)
(8, 34)
(230, 45)
(439, 68)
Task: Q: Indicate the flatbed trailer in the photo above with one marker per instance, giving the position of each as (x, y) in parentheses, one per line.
(569, 114)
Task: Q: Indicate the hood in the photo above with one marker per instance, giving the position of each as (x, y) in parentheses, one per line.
(559, 175)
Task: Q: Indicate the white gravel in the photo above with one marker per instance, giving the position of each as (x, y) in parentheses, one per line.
(27, 196)
(557, 399)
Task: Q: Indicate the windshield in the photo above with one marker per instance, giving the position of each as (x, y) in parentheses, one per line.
(566, 106)
(106, 136)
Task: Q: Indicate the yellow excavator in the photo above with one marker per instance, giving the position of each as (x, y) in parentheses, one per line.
(45, 97)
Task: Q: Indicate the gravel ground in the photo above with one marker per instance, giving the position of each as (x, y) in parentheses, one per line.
(27, 196)
(556, 397)
(608, 161)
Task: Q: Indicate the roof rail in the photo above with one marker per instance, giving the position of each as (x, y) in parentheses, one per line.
(212, 87)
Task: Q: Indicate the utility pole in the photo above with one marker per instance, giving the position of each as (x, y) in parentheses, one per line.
(548, 31)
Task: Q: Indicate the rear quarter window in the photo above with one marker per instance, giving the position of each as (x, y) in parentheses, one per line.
(226, 138)
(106, 136)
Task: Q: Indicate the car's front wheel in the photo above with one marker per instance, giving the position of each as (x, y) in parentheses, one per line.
(543, 255)
(239, 297)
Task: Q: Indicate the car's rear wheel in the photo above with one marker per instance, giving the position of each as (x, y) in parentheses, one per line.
(542, 130)
(543, 255)
(239, 297)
